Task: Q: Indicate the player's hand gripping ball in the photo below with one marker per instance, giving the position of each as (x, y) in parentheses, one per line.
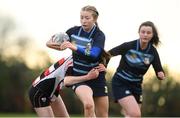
(60, 37)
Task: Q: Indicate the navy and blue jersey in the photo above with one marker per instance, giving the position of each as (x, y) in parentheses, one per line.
(90, 46)
(89, 49)
(135, 61)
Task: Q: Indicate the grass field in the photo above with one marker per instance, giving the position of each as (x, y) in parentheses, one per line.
(21, 115)
(17, 115)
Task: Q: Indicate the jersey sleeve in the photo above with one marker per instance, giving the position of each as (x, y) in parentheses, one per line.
(157, 63)
(118, 50)
(96, 48)
(99, 40)
(93, 53)
(71, 30)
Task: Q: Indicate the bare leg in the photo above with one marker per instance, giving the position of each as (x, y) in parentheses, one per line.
(44, 111)
(85, 95)
(130, 107)
(59, 108)
(101, 106)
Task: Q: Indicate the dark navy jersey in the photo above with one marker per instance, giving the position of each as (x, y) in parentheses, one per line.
(135, 61)
(95, 38)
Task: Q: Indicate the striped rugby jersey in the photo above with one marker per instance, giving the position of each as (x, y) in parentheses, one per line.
(52, 78)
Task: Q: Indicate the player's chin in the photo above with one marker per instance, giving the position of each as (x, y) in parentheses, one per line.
(145, 40)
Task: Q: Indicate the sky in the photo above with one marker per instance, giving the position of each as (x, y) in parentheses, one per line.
(118, 19)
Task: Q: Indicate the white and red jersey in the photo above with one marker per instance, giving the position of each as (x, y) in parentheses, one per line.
(52, 78)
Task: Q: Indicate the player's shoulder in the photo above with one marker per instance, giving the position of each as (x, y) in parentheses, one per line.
(130, 43)
(73, 30)
(153, 49)
(99, 30)
(99, 33)
(133, 41)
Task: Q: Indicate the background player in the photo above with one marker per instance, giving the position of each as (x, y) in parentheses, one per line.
(136, 58)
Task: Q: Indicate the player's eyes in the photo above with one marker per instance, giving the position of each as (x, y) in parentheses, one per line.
(85, 17)
(149, 32)
(143, 32)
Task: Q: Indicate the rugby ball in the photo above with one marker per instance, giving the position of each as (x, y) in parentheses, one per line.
(60, 37)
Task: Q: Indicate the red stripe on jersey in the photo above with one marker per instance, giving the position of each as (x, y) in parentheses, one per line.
(61, 61)
(46, 73)
(58, 88)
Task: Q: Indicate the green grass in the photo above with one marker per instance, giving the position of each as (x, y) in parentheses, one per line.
(23, 115)
(17, 115)
(32, 115)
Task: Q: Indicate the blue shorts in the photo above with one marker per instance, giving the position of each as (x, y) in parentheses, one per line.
(97, 91)
(122, 88)
(98, 86)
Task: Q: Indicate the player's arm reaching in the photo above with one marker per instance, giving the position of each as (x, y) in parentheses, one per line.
(92, 74)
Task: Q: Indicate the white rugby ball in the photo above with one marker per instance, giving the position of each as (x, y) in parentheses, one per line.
(60, 37)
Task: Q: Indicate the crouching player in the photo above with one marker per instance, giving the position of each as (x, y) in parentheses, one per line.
(44, 91)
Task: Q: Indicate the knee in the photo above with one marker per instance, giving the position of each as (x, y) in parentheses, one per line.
(88, 106)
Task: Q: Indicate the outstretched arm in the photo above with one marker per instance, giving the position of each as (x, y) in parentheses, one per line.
(158, 66)
(70, 80)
